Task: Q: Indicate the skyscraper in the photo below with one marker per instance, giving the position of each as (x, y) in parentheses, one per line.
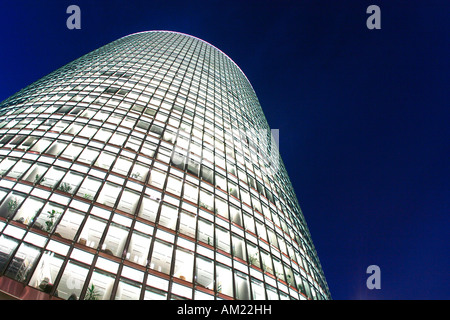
(147, 170)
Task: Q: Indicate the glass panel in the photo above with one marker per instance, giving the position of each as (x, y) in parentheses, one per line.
(7, 246)
(174, 185)
(100, 286)
(89, 188)
(138, 248)
(10, 205)
(35, 174)
(205, 232)
(139, 172)
(204, 273)
(19, 169)
(69, 224)
(49, 217)
(115, 240)
(258, 291)
(108, 195)
(92, 232)
(70, 182)
(187, 224)
(224, 280)
(161, 257)
(222, 239)
(105, 160)
(184, 265)
(46, 272)
(155, 294)
(149, 209)
(239, 248)
(72, 151)
(191, 192)
(88, 155)
(168, 216)
(72, 281)
(6, 164)
(128, 290)
(28, 210)
(122, 166)
(128, 201)
(52, 177)
(242, 286)
(157, 178)
(22, 263)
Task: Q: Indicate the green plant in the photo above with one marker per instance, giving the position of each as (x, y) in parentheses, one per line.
(136, 175)
(65, 187)
(254, 259)
(91, 293)
(51, 219)
(88, 196)
(37, 177)
(12, 204)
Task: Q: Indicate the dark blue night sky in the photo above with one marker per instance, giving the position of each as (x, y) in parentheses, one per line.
(363, 114)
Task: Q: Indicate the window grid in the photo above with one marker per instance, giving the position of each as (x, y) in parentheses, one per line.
(203, 137)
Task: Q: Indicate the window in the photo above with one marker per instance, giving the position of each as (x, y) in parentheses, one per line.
(7, 247)
(105, 160)
(239, 247)
(52, 177)
(35, 174)
(88, 155)
(224, 280)
(10, 205)
(92, 232)
(149, 208)
(19, 169)
(187, 224)
(184, 264)
(28, 210)
(138, 248)
(204, 273)
(190, 192)
(128, 201)
(206, 200)
(242, 286)
(205, 232)
(48, 218)
(157, 178)
(56, 148)
(128, 290)
(72, 151)
(100, 286)
(139, 172)
(41, 145)
(222, 239)
(6, 164)
(161, 257)
(115, 240)
(22, 263)
(46, 272)
(122, 166)
(174, 185)
(89, 188)
(169, 216)
(70, 182)
(109, 194)
(69, 224)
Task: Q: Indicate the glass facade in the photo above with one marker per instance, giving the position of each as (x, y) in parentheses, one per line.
(147, 170)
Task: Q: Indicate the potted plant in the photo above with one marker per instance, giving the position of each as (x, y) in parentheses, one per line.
(12, 204)
(91, 293)
(51, 220)
(65, 187)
